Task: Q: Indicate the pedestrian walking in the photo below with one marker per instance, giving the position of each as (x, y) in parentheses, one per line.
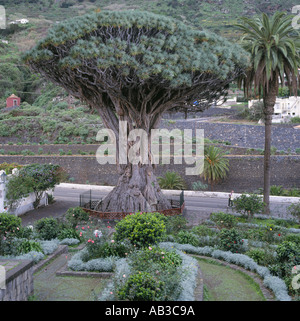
(230, 199)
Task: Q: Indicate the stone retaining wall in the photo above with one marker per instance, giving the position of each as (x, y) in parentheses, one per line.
(90, 149)
(284, 137)
(245, 173)
(19, 280)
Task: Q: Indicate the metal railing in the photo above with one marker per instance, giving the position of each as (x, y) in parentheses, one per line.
(88, 201)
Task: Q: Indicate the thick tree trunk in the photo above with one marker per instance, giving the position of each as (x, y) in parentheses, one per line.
(137, 190)
(270, 94)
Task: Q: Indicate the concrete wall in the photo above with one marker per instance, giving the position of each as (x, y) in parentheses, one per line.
(19, 281)
(245, 173)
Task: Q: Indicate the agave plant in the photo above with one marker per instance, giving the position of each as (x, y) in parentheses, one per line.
(171, 180)
(215, 164)
(276, 190)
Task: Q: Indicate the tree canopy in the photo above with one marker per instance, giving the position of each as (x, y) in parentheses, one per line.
(130, 61)
(274, 46)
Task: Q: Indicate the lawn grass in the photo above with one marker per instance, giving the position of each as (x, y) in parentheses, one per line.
(222, 283)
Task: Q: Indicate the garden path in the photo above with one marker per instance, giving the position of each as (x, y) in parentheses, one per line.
(50, 287)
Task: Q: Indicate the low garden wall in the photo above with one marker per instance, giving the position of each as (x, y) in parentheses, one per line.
(19, 280)
(245, 172)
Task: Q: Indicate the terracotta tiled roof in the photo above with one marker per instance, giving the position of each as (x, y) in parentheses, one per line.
(13, 96)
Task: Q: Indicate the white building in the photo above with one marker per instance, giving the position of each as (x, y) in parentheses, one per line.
(25, 204)
(22, 21)
(284, 109)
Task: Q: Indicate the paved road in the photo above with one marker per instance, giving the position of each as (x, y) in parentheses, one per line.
(192, 203)
(197, 208)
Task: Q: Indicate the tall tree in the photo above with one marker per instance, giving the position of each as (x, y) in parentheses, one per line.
(275, 54)
(133, 66)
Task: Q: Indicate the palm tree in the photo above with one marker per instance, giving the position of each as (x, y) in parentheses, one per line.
(274, 47)
(215, 164)
(171, 180)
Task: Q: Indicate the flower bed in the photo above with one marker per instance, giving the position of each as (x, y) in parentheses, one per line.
(142, 269)
(146, 255)
(272, 251)
(143, 243)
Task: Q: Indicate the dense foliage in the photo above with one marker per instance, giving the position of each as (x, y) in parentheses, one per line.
(141, 287)
(216, 165)
(76, 215)
(147, 55)
(171, 180)
(141, 229)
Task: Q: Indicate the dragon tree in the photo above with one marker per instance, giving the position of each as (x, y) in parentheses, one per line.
(133, 66)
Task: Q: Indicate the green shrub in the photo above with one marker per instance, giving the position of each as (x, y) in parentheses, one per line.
(185, 237)
(248, 204)
(258, 255)
(199, 186)
(155, 255)
(164, 265)
(276, 190)
(9, 223)
(270, 233)
(9, 227)
(171, 180)
(295, 238)
(62, 105)
(230, 240)
(288, 256)
(223, 220)
(175, 223)
(24, 232)
(99, 249)
(294, 192)
(282, 222)
(203, 230)
(47, 228)
(141, 229)
(295, 120)
(27, 246)
(76, 215)
(68, 233)
(141, 287)
(288, 251)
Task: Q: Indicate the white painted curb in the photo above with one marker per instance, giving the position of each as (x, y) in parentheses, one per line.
(279, 199)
